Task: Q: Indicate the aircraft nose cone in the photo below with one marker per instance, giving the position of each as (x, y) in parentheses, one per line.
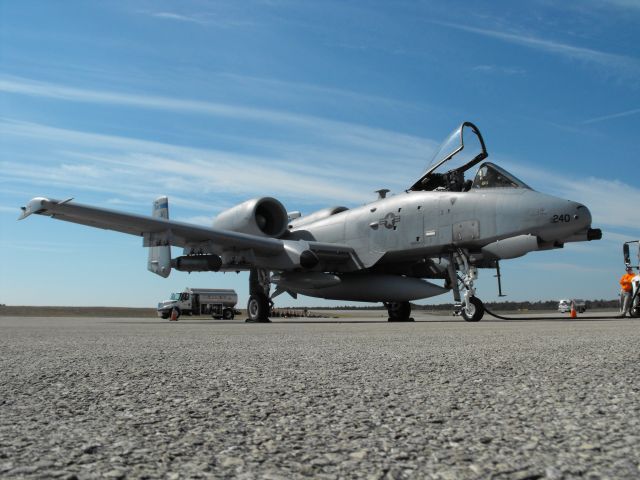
(567, 219)
(581, 215)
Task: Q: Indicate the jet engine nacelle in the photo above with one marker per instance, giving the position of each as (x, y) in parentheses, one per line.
(264, 216)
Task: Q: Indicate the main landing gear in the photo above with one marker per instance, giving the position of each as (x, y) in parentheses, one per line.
(259, 305)
(468, 305)
(399, 311)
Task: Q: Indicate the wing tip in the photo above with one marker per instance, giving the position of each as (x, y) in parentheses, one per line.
(35, 205)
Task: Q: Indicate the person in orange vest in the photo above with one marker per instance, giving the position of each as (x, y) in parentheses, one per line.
(625, 291)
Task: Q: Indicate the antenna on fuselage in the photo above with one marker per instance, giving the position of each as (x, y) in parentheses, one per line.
(382, 193)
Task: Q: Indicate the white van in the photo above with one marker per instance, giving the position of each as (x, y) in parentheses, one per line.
(564, 306)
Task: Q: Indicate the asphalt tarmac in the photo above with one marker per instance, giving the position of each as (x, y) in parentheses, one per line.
(354, 398)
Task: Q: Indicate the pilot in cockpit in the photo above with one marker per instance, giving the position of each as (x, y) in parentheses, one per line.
(492, 176)
(484, 177)
(455, 181)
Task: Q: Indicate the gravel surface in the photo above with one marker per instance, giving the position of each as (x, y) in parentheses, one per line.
(131, 398)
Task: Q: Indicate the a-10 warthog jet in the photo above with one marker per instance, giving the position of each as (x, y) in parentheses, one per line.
(442, 227)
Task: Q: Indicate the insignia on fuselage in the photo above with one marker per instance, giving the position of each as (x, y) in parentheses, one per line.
(390, 220)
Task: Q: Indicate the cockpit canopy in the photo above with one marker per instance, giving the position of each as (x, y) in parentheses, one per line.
(463, 149)
(492, 176)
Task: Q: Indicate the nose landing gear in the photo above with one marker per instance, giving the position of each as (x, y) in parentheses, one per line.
(472, 310)
(469, 306)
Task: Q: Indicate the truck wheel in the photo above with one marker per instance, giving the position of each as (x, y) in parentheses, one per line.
(473, 311)
(258, 309)
(227, 314)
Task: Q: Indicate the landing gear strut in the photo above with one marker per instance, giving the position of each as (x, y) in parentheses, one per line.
(399, 311)
(259, 305)
(469, 306)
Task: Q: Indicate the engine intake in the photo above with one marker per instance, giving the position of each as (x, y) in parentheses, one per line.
(264, 216)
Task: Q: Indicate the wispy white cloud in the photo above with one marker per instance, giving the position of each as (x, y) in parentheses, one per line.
(628, 5)
(619, 64)
(46, 247)
(497, 69)
(612, 116)
(601, 196)
(5, 209)
(611, 202)
(308, 90)
(124, 167)
(317, 163)
(206, 18)
(178, 17)
(354, 135)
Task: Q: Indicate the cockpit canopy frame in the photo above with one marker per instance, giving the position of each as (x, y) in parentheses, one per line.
(452, 179)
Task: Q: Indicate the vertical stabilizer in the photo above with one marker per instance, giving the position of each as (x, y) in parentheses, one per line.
(160, 256)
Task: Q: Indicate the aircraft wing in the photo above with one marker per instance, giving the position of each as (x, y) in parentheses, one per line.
(183, 234)
(177, 233)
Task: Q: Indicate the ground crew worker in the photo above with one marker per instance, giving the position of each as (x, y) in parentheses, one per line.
(626, 291)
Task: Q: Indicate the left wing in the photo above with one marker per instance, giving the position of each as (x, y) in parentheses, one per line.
(274, 253)
(179, 233)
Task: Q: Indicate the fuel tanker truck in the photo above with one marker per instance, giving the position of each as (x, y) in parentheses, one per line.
(219, 303)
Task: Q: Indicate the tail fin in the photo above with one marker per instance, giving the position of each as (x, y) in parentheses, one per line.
(160, 256)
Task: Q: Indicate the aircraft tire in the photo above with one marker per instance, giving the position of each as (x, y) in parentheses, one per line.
(399, 311)
(473, 312)
(258, 309)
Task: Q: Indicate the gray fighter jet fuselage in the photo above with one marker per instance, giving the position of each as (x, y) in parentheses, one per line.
(413, 234)
(443, 227)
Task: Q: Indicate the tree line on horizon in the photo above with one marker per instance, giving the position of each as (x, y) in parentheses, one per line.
(510, 306)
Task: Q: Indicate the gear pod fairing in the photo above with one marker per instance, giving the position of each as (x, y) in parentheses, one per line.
(358, 287)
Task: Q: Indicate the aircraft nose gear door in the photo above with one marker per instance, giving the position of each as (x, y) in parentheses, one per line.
(471, 307)
(259, 305)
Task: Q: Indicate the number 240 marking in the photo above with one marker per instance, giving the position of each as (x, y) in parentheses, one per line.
(561, 218)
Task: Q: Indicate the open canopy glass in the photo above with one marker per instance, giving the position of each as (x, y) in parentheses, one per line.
(463, 149)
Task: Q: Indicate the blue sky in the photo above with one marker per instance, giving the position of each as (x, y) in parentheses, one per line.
(315, 103)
